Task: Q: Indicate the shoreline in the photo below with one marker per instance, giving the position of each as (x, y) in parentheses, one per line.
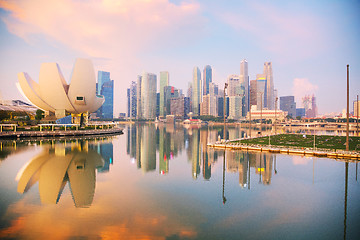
(59, 133)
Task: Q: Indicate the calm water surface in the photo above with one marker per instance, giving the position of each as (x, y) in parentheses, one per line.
(164, 183)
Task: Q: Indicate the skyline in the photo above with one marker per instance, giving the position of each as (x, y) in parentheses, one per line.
(309, 44)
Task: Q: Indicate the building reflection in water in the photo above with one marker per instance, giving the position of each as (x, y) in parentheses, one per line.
(74, 162)
(143, 140)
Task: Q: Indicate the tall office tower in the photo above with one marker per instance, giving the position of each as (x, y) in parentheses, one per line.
(187, 106)
(108, 106)
(138, 95)
(128, 102)
(261, 94)
(356, 108)
(207, 79)
(234, 87)
(213, 90)
(164, 81)
(270, 85)
(196, 91)
(102, 78)
(253, 93)
(133, 98)
(148, 95)
(105, 87)
(287, 103)
(235, 107)
(244, 81)
(157, 104)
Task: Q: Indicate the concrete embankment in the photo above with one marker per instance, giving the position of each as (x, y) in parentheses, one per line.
(293, 151)
(59, 133)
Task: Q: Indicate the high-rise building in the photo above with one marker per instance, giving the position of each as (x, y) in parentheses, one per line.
(105, 87)
(235, 107)
(253, 93)
(309, 104)
(356, 108)
(196, 91)
(287, 103)
(102, 78)
(128, 102)
(148, 95)
(269, 86)
(244, 81)
(164, 81)
(261, 94)
(207, 79)
(107, 109)
(132, 100)
(138, 95)
(234, 87)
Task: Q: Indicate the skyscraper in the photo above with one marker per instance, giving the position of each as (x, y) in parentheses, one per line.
(138, 95)
(132, 100)
(164, 81)
(207, 79)
(105, 87)
(270, 86)
(196, 91)
(253, 93)
(148, 95)
(244, 81)
(234, 87)
(107, 109)
(102, 78)
(261, 97)
(287, 103)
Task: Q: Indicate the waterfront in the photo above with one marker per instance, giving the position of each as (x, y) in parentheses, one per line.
(164, 183)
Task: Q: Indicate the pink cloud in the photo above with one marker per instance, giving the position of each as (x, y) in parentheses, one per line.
(113, 33)
(276, 30)
(302, 87)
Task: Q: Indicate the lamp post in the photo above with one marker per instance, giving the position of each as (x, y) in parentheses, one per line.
(225, 87)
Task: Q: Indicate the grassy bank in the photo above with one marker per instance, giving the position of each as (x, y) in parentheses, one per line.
(306, 141)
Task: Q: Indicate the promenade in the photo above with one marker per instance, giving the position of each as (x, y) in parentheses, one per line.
(58, 133)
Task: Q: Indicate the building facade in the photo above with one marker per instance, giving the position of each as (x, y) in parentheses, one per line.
(148, 95)
(196, 91)
(287, 103)
(207, 79)
(164, 81)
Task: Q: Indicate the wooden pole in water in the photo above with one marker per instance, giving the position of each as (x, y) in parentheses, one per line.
(347, 109)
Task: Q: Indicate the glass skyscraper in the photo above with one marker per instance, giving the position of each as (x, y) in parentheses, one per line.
(196, 91)
(207, 79)
(105, 87)
(148, 95)
(164, 81)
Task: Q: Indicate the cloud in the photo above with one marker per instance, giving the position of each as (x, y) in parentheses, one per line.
(302, 87)
(289, 35)
(114, 34)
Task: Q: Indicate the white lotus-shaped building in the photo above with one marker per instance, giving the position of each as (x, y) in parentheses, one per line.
(53, 94)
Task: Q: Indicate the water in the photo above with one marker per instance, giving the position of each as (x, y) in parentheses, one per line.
(164, 183)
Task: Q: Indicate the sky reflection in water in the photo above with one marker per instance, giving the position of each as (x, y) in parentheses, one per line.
(164, 183)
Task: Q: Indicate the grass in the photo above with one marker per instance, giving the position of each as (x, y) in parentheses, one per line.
(306, 141)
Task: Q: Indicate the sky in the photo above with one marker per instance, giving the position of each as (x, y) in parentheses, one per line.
(309, 43)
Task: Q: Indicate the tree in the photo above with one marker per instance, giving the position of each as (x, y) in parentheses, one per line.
(39, 114)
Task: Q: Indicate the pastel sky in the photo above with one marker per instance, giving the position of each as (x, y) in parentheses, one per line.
(308, 42)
